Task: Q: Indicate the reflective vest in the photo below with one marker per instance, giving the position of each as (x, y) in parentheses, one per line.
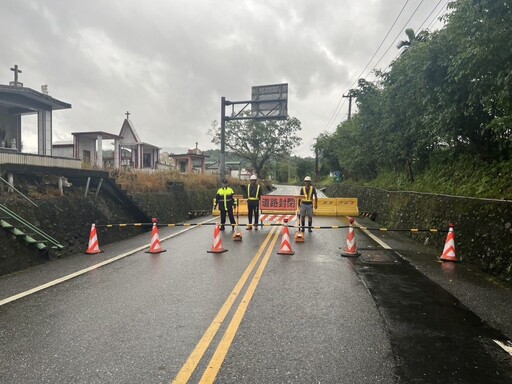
(307, 195)
(256, 196)
(225, 194)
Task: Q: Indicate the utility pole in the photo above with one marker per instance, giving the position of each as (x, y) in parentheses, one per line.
(222, 161)
(316, 160)
(349, 96)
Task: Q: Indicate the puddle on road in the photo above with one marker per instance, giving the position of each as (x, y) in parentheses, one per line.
(378, 256)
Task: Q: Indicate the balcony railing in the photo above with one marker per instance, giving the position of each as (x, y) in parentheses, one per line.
(9, 157)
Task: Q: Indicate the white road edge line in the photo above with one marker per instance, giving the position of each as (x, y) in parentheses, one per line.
(507, 348)
(373, 237)
(88, 269)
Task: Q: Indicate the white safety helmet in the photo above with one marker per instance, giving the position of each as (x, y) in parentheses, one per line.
(307, 178)
(253, 177)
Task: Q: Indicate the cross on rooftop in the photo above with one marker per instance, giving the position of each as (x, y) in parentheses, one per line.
(127, 115)
(16, 71)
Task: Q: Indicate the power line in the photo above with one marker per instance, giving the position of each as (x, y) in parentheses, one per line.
(387, 34)
(419, 28)
(397, 36)
(341, 102)
(436, 17)
(426, 18)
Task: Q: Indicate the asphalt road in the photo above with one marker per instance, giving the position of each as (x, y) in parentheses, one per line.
(247, 315)
(293, 190)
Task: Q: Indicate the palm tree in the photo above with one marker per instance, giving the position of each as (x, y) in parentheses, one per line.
(412, 38)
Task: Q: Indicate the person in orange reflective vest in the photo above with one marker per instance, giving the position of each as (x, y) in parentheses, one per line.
(226, 202)
(253, 202)
(308, 200)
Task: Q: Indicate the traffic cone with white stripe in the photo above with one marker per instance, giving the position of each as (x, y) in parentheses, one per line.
(299, 236)
(350, 247)
(155, 246)
(94, 246)
(217, 241)
(449, 247)
(237, 236)
(286, 248)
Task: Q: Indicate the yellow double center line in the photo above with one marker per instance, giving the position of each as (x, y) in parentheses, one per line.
(222, 349)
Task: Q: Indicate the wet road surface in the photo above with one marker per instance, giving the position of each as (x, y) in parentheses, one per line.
(433, 336)
(247, 315)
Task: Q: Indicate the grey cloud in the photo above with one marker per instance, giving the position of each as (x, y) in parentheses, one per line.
(169, 62)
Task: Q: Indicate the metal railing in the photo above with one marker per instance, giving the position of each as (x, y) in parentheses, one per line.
(41, 240)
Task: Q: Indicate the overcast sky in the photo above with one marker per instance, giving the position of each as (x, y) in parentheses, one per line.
(169, 62)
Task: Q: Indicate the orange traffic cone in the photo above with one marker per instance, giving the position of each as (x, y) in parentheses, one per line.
(155, 246)
(449, 247)
(217, 242)
(351, 247)
(286, 248)
(237, 236)
(94, 246)
(299, 237)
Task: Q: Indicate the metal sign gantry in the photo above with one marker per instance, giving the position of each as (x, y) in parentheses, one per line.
(269, 102)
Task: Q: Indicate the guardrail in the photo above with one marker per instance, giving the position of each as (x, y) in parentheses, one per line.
(33, 236)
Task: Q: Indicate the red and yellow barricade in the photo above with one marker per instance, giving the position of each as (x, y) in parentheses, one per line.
(287, 205)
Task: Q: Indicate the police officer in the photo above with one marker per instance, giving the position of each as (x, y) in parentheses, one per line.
(226, 202)
(253, 202)
(308, 200)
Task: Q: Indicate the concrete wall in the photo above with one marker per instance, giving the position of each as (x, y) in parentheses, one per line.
(483, 228)
(86, 144)
(68, 219)
(62, 150)
(173, 207)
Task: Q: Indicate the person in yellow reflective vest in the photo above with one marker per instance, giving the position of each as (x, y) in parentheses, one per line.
(308, 200)
(253, 193)
(226, 202)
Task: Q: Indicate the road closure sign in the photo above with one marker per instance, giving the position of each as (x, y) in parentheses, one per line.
(274, 203)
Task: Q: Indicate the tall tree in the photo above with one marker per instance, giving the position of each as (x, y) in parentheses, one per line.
(449, 96)
(407, 107)
(479, 77)
(305, 167)
(327, 147)
(258, 141)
